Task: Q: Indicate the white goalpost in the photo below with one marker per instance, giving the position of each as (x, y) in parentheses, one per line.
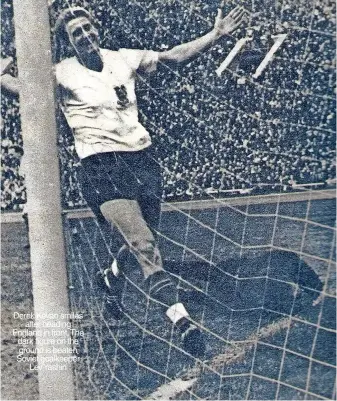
(51, 306)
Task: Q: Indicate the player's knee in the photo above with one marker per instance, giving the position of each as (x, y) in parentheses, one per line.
(147, 253)
(144, 246)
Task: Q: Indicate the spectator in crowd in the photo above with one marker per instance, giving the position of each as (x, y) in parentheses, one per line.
(230, 142)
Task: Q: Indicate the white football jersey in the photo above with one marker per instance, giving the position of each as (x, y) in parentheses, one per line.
(101, 107)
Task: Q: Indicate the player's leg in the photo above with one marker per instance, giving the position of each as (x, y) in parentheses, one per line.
(94, 179)
(127, 216)
(138, 220)
(150, 193)
(160, 283)
(151, 209)
(108, 183)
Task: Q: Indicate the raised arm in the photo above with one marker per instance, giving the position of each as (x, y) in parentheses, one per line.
(8, 82)
(222, 26)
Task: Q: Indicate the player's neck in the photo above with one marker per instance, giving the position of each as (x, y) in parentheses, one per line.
(92, 61)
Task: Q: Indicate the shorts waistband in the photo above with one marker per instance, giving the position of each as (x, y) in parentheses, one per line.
(147, 151)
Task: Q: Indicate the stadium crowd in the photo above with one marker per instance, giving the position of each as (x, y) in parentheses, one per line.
(213, 135)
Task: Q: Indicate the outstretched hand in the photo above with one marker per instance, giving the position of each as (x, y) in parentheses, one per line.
(228, 24)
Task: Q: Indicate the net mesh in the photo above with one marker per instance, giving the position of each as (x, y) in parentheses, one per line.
(248, 274)
(256, 278)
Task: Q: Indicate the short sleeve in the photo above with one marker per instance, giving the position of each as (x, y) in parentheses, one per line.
(60, 73)
(146, 60)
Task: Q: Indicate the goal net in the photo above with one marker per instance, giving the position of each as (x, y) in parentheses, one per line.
(256, 277)
(259, 279)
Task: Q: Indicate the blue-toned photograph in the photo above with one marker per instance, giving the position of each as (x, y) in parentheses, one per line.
(168, 200)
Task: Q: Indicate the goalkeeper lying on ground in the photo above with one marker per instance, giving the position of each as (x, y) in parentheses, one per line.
(122, 180)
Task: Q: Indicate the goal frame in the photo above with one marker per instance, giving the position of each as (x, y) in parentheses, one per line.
(47, 249)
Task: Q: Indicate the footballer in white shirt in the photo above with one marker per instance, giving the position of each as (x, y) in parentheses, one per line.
(121, 178)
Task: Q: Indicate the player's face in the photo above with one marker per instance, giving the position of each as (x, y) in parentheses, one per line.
(83, 36)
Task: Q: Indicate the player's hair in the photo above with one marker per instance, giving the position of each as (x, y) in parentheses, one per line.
(63, 47)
